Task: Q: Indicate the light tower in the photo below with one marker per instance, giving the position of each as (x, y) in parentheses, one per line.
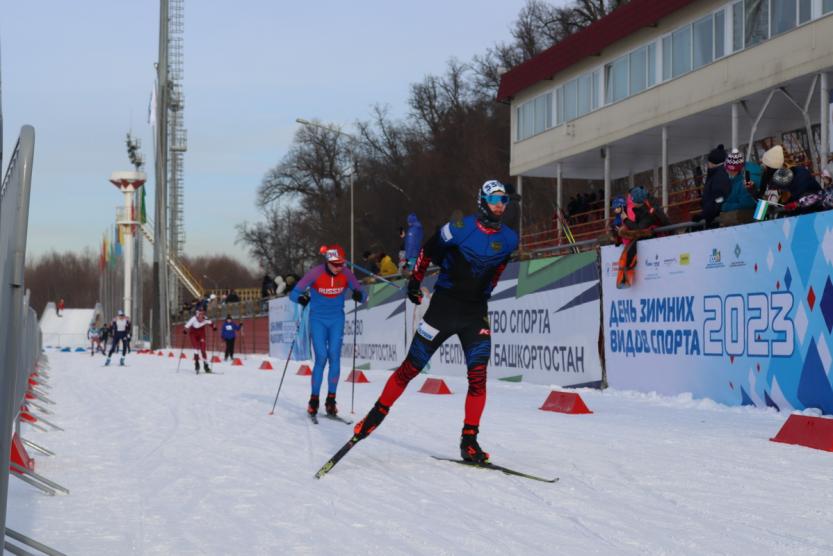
(127, 219)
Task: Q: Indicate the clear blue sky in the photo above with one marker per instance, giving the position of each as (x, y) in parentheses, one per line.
(81, 73)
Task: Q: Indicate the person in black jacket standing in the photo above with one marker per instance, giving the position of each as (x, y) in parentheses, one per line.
(717, 187)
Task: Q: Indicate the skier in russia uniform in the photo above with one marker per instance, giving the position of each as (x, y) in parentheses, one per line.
(195, 328)
(327, 284)
(472, 252)
(120, 330)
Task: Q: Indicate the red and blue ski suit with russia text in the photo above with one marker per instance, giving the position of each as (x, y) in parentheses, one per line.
(327, 293)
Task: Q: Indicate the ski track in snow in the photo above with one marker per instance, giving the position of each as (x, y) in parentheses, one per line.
(160, 462)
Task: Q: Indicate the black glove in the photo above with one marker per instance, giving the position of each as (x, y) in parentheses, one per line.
(357, 296)
(414, 291)
(303, 299)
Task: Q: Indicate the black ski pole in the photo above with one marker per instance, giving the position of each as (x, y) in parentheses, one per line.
(353, 368)
(288, 358)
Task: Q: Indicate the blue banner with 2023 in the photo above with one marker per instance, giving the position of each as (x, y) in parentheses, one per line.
(741, 315)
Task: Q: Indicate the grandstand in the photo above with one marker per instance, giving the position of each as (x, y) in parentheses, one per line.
(655, 85)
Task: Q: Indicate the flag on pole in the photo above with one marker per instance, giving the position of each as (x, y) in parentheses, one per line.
(117, 241)
(143, 214)
(102, 256)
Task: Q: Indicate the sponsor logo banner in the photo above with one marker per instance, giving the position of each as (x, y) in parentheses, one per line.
(746, 322)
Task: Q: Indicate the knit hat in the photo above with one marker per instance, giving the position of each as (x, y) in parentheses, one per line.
(718, 155)
(638, 194)
(734, 161)
(782, 178)
(619, 202)
(774, 157)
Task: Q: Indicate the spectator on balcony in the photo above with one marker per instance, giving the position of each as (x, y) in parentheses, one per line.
(772, 160)
(413, 241)
(619, 205)
(267, 286)
(640, 220)
(402, 258)
(812, 202)
(232, 297)
(717, 187)
(371, 263)
(280, 285)
(739, 205)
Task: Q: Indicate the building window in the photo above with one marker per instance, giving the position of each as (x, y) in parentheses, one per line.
(737, 26)
(681, 51)
(585, 93)
(543, 113)
(782, 16)
(805, 10)
(666, 58)
(596, 88)
(652, 64)
(616, 80)
(703, 35)
(827, 6)
(638, 70)
(756, 21)
(719, 33)
(570, 100)
(559, 106)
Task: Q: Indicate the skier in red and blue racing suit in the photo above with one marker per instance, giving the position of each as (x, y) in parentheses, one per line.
(472, 252)
(324, 288)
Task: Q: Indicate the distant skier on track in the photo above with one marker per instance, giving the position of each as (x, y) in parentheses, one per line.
(229, 335)
(472, 252)
(327, 284)
(195, 329)
(120, 330)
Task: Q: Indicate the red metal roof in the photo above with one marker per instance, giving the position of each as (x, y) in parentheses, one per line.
(622, 22)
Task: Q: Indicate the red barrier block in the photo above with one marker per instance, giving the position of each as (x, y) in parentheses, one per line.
(19, 454)
(266, 366)
(171, 354)
(357, 377)
(216, 359)
(304, 370)
(160, 354)
(435, 386)
(182, 356)
(26, 416)
(237, 362)
(565, 402)
(812, 432)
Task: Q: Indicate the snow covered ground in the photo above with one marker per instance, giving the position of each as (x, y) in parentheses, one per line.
(165, 463)
(68, 330)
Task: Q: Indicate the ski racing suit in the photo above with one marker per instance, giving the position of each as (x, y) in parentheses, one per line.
(326, 319)
(120, 328)
(195, 328)
(471, 257)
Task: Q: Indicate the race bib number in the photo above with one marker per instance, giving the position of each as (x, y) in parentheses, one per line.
(426, 330)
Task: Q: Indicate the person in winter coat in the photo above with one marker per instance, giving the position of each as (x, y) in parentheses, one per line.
(195, 329)
(472, 253)
(739, 205)
(413, 240)
(717, 186)
(59, 308)
(229, 335)
(324, 289)
(640, 220)
(120, 329)
(618, 205)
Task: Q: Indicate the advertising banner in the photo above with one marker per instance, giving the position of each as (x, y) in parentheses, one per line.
(544, 317)
(284, 327)
(741, 315)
